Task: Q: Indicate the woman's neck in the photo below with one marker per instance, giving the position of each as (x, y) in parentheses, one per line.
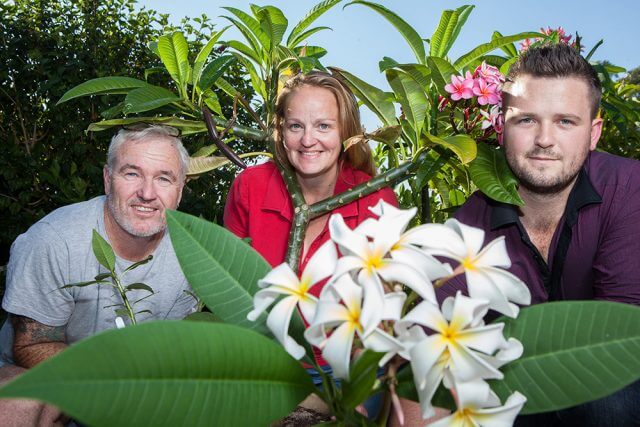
(318, 188)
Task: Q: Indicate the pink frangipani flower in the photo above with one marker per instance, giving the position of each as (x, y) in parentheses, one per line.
(489, 73)
(487, 93)
(460, 88)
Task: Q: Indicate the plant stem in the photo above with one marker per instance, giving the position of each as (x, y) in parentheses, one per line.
(125, 300)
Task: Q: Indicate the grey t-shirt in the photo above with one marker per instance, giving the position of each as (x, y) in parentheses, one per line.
(57, 251)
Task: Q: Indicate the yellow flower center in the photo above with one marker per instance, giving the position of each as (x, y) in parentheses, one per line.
(354, 319)
(468, 263)
(373, 262)
(301, 292)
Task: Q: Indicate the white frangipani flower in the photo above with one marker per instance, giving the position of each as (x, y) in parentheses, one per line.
(483, 267)
(345, 314)
(370, 260)
(479, 406)
(283, 281)
(460, 344)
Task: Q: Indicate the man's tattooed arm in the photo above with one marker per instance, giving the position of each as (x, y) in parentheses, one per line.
(34, 342)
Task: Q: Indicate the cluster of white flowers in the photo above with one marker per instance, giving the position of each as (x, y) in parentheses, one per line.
(363, 297)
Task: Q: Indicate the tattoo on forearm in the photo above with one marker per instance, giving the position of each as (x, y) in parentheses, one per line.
(34, 341)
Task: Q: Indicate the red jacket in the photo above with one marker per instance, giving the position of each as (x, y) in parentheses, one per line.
(259, 207)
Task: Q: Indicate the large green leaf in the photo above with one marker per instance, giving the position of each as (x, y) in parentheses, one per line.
(574, 352)
(373, 98)
(148, 98)
(420, 73)
(245, 50)
(406, 30)
(441, 71)
(103, 252)
(448, 30)
(204, 53)
(492, 45)
(509, 48)
(491, 173)
(411, 96)
(102, 86)
(250, 29)
(298, 34)
(169, 374)
(273, 23)
(462, 145)
(214, 70)
(187, 127)
(222, 269)
(295, 43)
(174, 52)
(202, 164)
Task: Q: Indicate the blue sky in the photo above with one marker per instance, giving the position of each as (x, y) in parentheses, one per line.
(361, 38)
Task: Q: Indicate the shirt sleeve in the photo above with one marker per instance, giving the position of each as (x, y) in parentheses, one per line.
(236, 210)
(38, 269)
(617, 261)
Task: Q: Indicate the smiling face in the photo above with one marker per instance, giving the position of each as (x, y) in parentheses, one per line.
(311, 132)
(548, 131)
(145, 180)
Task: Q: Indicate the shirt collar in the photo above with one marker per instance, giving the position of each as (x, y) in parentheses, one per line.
(582, 194)
(278, 199)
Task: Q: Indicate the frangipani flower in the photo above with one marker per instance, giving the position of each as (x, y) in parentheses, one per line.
(283, 281)
(483, 267)
(479, 406)
(489, 73)
(486, 92)
(460, 87)
(460, 344)
(369, 259)
(345, 314)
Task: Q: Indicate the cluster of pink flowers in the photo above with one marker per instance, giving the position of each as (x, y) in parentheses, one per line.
(562, 36)
(485, 83)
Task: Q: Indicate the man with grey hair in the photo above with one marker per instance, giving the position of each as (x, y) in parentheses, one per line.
(144, 176)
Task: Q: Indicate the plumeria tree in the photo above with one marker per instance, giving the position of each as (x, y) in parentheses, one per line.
(377, 321)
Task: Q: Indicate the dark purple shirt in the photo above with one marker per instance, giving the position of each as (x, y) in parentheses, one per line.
(595, 250)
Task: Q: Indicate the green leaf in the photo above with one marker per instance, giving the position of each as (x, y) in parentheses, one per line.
(411, 97)
(207, 150)
(373, 98)
(593, 49)
(428, 168)
(273, 23)
(80, 284)
(409, 34)
(462, 145)
(187, 127)
(204, 53)
(103, 252)
(574, 352)
(420, 73)
(491, 173)
(102, 276)
(203, 316)
(222, 270)
(256, 79)
(448, 29)
(245, 50)
(169, 373)
(214, 70)
(139, 286)
(148, 98)
(139, 263)
(297, 36)
(441, 71)
(250, 29)
(174, 51)
(492, 45)
(509, 48)
(102, 86)
(112, 112)
(295, 43)
(362, 376)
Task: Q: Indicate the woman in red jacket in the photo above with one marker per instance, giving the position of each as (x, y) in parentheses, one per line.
(315, 113)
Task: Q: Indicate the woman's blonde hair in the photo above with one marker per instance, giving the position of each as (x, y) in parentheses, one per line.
(359, 156)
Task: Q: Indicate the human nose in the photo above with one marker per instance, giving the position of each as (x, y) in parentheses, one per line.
(544, 136)
(147, 189)
(307, 139)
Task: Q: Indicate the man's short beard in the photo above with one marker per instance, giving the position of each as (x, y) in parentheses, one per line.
(123, 222)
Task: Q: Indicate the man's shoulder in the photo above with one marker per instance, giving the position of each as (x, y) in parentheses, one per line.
(74, 215)
(606, 169)
(475, 211)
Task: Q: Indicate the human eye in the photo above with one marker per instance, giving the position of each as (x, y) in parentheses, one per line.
(566, 122)
(294, 126)
(130, 175)
(524, 120)
(164, 181)
(324, 126)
